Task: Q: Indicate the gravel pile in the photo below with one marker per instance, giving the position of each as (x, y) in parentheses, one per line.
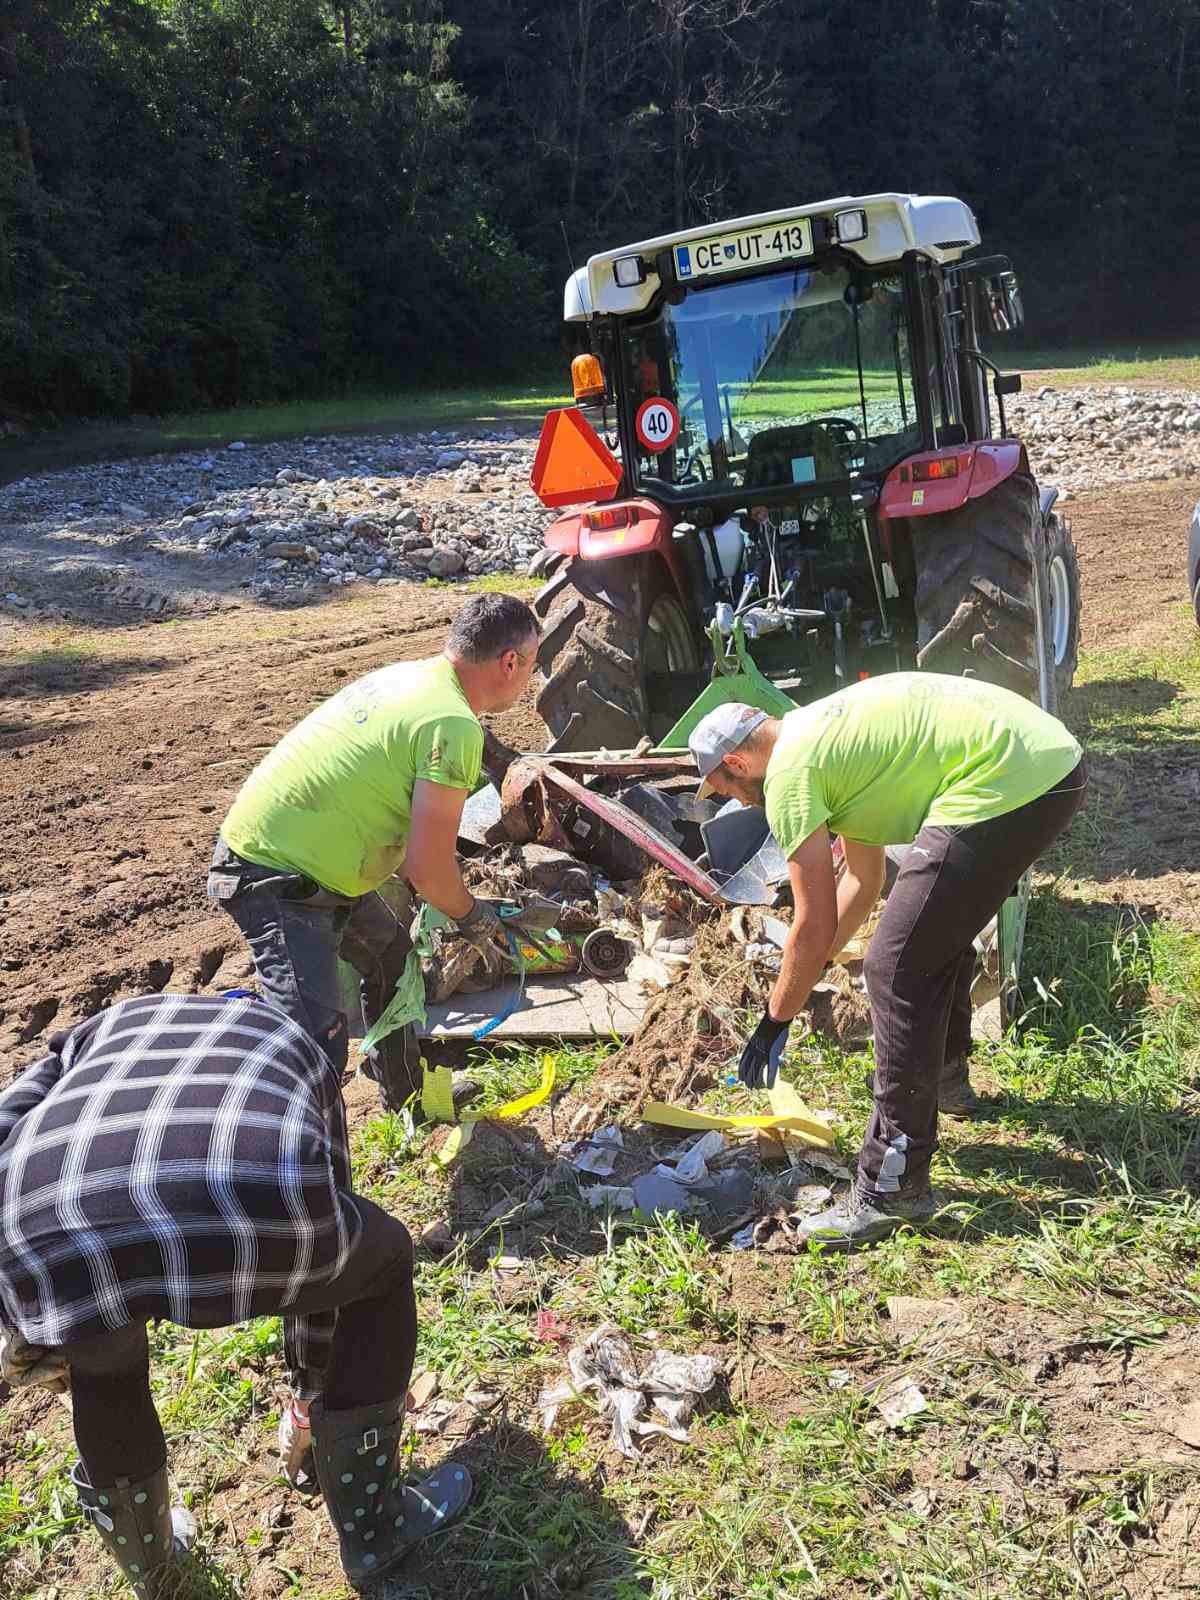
(1087, 438)
(321, 511)
(330, 511)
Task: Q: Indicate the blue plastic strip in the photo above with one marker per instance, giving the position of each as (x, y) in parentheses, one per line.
(519, 998)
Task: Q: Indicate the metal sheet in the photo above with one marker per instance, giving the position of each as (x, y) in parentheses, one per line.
(569, 1006)
(646, 838)
(734, 836)
(481, 812)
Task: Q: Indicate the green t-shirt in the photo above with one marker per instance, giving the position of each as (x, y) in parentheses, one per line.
(333, 799)
(879, 760)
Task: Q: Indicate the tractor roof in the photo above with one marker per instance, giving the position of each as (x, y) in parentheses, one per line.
(938, 225)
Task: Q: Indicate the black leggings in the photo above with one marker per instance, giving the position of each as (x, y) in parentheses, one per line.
(116, 1426)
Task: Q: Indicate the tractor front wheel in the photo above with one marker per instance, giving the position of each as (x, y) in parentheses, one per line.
(609, 648)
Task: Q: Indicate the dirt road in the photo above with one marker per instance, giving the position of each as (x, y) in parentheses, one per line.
(121, 746)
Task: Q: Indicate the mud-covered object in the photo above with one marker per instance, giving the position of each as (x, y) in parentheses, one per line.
(139, 1527)
(379, 1518)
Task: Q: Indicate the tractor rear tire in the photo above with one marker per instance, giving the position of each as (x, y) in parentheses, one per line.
(598, 646)
(977, 589)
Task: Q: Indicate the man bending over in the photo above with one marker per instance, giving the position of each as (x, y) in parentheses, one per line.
(370, 785)
(981, 782)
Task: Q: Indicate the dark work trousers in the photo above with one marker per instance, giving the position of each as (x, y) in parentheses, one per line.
(919, 964)
(116, 1426)
(296, 931)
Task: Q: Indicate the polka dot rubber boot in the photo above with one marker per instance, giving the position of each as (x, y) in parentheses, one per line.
(140, 1528)
(378, 1517)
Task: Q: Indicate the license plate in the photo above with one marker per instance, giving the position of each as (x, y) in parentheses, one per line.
(734, 252)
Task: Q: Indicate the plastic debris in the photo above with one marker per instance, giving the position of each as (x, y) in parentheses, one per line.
(825, 1163)
(616, 1197)
(437, 1093)
(460, 1136)
(804, 1125)
(526, 1102)
(598, 1154)
(550, 1330)
(691, 1161)
(899, 1400)
(606, 1362)
(659, 1191)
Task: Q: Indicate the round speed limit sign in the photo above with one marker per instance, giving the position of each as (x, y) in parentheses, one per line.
(657, 424)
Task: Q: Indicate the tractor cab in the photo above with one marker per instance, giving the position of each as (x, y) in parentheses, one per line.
(796, 430)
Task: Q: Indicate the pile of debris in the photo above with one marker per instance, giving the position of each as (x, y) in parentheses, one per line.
(614, 869)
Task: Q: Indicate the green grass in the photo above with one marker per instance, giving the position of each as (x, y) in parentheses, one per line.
(373, 411)
(1171, 365)
(366, 412)
(1069, 1227)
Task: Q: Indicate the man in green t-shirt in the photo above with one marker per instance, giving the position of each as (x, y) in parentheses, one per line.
(370, 785)
(979, 782)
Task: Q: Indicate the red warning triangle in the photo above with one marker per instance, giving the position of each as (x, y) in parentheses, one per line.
(573, 463)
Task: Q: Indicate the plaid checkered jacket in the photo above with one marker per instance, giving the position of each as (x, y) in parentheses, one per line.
(176, 1156)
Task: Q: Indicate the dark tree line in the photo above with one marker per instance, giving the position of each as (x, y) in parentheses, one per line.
(213, 201)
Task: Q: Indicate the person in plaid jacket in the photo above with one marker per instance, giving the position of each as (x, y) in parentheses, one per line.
(184, 1158)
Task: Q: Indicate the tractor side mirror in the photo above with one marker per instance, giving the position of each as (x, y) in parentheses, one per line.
(1006, 383)
(1000, 296)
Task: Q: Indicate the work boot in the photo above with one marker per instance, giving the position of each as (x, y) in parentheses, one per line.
(379, 1518)
(858, 1219)
(956, 1098)
(139, 1527)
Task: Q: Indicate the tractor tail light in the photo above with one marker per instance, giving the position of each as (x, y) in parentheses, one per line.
(609, 517)
(934, 471)
(587, 378)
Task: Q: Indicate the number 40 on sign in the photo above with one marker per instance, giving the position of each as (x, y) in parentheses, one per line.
(657, 424)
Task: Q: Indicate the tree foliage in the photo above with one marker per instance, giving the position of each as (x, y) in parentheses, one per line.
(215, 201)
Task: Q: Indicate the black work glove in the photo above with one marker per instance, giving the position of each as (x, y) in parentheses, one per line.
(481, 925)
(764, 1048)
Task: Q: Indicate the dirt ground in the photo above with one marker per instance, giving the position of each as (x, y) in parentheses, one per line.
(120, 750)
(121, 747)
(116, 767)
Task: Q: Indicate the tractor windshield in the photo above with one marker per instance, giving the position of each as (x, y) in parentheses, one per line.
(799, 377)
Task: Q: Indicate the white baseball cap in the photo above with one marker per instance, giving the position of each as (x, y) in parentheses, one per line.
(719, 734)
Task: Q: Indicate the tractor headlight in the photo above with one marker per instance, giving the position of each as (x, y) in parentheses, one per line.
(628, 271)
(851, 226)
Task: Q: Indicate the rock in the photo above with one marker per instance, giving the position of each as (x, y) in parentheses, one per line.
(409, 519)
(436, 1237)
(289, 551)
(444, 563)
(238, 444)
(448, 459)
(128, 509)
